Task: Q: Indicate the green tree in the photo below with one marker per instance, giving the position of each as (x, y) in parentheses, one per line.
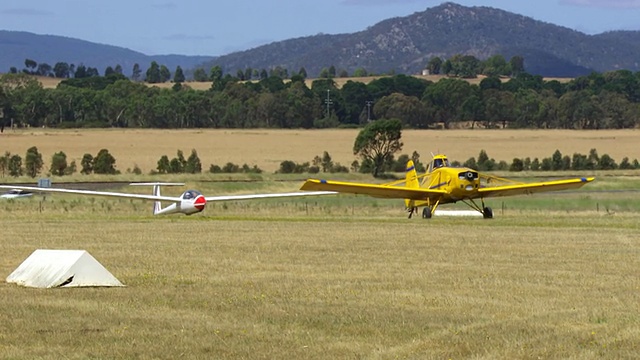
(516, 165)
(409, 109)
(153, 74)
(434, 65)
(516, 65)
(178, 77)
(163, 165)
(193, 165)
(556, 161)
(215, 74)
(165, 74)
(58, 164)
(199, 75)
(378, 142)
(15, 165)
(4, 163)
(326, 162)
(104, 163)
(360, 72)
(33, 162)
(61, 70)
(87, 164)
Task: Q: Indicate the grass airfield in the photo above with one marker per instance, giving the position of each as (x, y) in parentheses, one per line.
(551, 276)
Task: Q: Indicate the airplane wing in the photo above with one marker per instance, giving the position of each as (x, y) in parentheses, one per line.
(267, 196)
(531, 188)
(382, 191)
(94, 193)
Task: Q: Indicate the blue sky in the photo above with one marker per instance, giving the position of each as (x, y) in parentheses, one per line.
(196, 27)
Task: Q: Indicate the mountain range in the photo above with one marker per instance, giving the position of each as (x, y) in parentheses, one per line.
(400, 45)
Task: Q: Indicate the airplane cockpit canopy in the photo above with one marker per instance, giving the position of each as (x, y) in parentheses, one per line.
(438, 162)
(191, 194)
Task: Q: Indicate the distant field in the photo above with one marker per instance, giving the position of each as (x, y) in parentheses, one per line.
(268, 148)
(48, 82)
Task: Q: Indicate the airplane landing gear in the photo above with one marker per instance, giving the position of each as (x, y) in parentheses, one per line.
(487, 213)
(426, 212)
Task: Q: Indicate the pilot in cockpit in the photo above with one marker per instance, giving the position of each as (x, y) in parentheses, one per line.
(438, 163)
(188, 195)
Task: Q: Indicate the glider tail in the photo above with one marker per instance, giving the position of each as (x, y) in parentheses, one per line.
(411, 181)
(156, 204)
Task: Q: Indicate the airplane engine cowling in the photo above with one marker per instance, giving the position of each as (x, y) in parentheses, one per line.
(194, 206)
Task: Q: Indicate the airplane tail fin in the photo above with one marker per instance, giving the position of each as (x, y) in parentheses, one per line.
(411, 181)
(157, 206)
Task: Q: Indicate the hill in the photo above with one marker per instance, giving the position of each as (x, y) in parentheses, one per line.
(16, 46)
(400, 45)
(405, 45)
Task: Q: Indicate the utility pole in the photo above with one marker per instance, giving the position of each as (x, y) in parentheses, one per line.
(369, 103)
(328, 102)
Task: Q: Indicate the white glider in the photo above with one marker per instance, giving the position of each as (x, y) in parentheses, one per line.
(190, 202)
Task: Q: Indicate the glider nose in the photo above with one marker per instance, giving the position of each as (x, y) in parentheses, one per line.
(199, 203)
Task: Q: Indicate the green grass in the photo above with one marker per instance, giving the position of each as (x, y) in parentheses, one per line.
(332, 277)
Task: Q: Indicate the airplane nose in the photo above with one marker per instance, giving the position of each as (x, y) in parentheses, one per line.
(199, 203)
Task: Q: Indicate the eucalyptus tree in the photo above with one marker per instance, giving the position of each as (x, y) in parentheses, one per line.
(153, 74)
(408, 109)
(377, 142)
(356, 96)
(446, 97)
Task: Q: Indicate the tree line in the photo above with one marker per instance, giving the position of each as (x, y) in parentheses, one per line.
(608, 100)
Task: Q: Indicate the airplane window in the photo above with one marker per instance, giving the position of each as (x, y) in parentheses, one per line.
(190, 194)
(437, 163)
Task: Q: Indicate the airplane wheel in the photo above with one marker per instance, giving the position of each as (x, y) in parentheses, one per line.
(487, 213)
(426, 213)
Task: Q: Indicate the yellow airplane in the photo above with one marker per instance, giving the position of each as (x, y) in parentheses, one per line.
(444, 184)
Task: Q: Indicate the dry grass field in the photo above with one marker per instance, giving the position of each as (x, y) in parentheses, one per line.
(551, 276)
(49, 83)
(296, 280)
(268, 148)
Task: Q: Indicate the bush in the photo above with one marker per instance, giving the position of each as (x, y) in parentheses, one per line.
(58, 164)
(193, 164)
(104, 163)
(286, 167)
(164, 166)
(87, 164)
(516, 165)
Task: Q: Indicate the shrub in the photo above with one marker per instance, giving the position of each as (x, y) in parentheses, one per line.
(193, 164)
(516, 165)
(164, 166)
(87, 164)
(58, 164)
(104, 163)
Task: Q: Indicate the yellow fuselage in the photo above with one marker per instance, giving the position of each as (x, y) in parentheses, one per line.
(459, 183)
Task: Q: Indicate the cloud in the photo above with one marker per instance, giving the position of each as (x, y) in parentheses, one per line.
(186, 37)
(26, 12)
(624, 4)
